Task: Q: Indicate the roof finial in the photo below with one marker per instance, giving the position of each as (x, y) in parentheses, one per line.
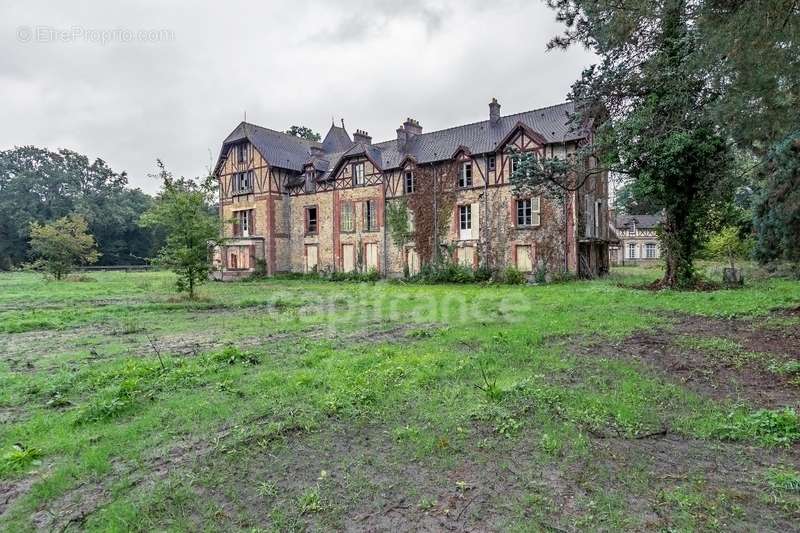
(332, 122)
(245, 115)
(343, 124)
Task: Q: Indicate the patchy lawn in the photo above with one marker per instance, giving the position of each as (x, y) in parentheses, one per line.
(305, 405)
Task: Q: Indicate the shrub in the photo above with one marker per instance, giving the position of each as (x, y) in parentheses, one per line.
(444, 272)
(483, 273)
(512, 276)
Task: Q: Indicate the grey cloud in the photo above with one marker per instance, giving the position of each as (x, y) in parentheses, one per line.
(378, 62)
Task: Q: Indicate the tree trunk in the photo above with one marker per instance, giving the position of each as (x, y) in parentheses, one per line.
(678, 239)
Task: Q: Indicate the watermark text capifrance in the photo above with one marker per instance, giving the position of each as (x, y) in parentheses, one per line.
(102, 36)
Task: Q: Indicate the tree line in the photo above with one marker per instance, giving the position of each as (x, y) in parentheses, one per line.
(38, 186)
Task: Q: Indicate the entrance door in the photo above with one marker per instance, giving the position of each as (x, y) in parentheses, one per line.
(371, 255)
(311, 257)
(348, 257)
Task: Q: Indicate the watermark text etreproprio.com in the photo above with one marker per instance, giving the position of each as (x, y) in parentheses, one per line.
(79, 34)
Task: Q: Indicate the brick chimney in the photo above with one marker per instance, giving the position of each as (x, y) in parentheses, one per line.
(494, 111)
(412, 127)
(361, 136)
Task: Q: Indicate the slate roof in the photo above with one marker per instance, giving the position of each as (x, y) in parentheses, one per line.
(286, 151)
(641, 221)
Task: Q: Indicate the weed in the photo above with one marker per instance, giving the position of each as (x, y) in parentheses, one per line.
(19, 458)
(267, 489)
(783, 478)
(550, 444)
(426, 504)
(310, 501)
(232, 355)
(779, 427)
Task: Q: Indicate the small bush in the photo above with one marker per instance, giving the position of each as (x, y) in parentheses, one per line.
(232, 355)
(512, 276)
(483, 273)
(444, 272)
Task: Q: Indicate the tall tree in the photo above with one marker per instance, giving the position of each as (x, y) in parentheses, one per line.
(304, 133)
(60, 245)
(182, 211)
(659, 132)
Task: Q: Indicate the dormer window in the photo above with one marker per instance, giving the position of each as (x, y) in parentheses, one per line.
(410, 182)
(632, 229)
(465, 176)
(241, 152)
(491, 163)
(311, 174)
(358, 174)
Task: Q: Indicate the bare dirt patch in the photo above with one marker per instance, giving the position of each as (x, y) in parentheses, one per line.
(740, 371)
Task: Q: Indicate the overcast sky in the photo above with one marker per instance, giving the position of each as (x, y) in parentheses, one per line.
(132, 81)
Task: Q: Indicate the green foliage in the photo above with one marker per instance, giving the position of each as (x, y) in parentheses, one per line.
(19, 458)
(397, 221)
(771, 428)
(512, 276)
(182, 212)
(370, 276)
(728, 245)
(231, 355)
(777, 212)
(62, 244)
(38, 185)
(444, 271)
(304, 133)
(784, 479)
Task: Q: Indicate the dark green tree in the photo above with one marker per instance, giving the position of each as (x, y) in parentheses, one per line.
(182, 211)
(659, 132)
(304, 133)
(777, 219)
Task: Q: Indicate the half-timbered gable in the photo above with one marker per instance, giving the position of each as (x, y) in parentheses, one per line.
(321, 205)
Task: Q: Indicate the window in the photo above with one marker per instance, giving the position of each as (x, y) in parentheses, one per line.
(410, 182)
(650, 250)
(241, 152)
(370, 216)
(631, 250)
(465, 176)
(243, 182)
(311, 220)
(465, 217)
(348, 217)
(598, 210)
(358, 174)
(242, 223)
(512, 165)
(491, 163)
(632, 229)
(528, 212)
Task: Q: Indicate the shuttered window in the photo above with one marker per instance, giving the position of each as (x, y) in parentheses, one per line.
(528, 211)
(348, 217)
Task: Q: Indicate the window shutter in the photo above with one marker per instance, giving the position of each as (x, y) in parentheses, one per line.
(512, 211)
(379, 208)
(236, 231)
(588, 215)
(252, 222)
(456, 225)
(536, 210)
(476, 221)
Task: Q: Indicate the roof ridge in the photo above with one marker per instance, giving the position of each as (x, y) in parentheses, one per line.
(287, 135)
(480, 121)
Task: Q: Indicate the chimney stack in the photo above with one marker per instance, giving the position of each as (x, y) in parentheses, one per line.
(494, 111)
(361, 136)
(316, 151)
(412, 127)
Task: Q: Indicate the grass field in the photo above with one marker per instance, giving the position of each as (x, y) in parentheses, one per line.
(308, 405)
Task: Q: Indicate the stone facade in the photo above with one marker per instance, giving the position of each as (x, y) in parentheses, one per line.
(637, 240)
(291, 205)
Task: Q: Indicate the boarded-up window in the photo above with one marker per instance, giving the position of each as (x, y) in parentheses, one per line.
(239, 257)
(348, 257)
(466, 256)
(371, 256)
(412, 259)
(311, 257)
(524, 258)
